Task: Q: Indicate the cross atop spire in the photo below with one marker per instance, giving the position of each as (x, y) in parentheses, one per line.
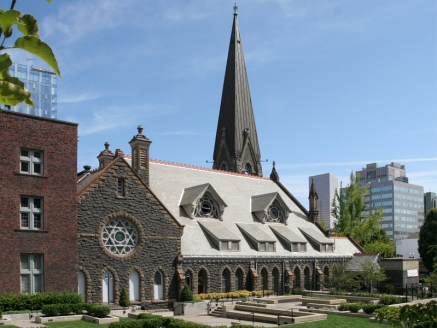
(238, 149)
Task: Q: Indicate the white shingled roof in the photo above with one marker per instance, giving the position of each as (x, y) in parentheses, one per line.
(168, 181)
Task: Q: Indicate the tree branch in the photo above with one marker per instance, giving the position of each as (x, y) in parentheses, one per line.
(13, 4)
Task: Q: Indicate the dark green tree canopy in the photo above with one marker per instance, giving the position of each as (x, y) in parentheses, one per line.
(428, 240)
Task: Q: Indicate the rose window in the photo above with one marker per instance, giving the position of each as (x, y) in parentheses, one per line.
(119, 237)
(206, 207)
(274, 214)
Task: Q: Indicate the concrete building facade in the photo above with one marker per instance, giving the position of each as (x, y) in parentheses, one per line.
(327, 185)
(400, 201)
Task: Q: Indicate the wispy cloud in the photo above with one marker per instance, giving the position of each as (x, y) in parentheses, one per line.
(78, 98)
(405, 160)
(177, 133)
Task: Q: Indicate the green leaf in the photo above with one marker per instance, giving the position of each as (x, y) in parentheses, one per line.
(13, 92)
(39, 48)
(49, 1)
(5, 63)
(29, 26)
(7, 19)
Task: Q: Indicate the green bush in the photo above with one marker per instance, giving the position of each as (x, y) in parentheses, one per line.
(99, 311)
(355, 307)
(124, 298)
(64, 309)
(186, 294)
(298, 291)
(370, 308)
(388, 313)
(50, 310)
(387, 299)
(20, 302)
(343, 307)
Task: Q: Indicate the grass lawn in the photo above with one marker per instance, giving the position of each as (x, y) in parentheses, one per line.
(79, 324)
(338, 321)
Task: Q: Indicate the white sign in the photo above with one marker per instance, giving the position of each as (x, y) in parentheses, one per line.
(412, 273)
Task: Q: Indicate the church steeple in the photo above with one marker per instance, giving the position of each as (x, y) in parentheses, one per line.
(314, 207)
(236, 145)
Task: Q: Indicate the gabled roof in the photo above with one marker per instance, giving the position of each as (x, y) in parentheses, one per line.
(260, 205)
(236, 113)
(254, 232)
(287, 235)
(358, 259)
(315, 235)
(218, 230)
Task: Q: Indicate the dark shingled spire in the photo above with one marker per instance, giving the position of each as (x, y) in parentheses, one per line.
(314, 207)
(236, 122)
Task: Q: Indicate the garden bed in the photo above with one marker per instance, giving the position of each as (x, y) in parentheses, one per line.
(76, 317)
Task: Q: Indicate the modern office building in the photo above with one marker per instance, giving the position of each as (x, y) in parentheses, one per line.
(402, 202)
(430, 201)
(326, 186)
(42, 84)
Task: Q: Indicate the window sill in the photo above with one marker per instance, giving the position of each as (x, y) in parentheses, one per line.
(30, 230)
(30, 175)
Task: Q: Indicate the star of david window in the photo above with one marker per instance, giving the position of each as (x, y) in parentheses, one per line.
(206, 207)
(119, 237)
(274, 213)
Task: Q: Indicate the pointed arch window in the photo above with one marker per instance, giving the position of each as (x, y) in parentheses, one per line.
(248, 168)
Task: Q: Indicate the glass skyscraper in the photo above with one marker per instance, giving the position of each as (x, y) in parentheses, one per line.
(42, 84)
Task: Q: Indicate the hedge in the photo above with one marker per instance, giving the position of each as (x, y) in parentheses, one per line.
(20, 302)
(52, 310)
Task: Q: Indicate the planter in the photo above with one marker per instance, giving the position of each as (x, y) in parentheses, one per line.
(76, 317)
(5, 322)
(190, 308)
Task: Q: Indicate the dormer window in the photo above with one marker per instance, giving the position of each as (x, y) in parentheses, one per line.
(274, 214)
(202, 202)
(206, 207)
(270, 208)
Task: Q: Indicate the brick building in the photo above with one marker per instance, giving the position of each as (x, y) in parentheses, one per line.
(37, 204)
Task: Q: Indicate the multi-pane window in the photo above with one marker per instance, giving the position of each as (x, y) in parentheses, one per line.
(31, 212)
(31, 273)
(120, 187)
(31, 161)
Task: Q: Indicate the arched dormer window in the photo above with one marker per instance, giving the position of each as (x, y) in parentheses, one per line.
(206, 207)
(274, 213)
(248, 169)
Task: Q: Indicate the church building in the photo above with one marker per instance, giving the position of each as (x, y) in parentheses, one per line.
(151, 226)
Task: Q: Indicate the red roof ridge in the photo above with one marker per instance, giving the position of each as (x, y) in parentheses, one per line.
(158, 161)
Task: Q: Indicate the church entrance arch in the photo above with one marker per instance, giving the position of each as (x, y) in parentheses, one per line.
(108, 287)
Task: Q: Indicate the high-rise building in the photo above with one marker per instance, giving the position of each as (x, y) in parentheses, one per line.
(400, 201)
(430, 200)
(42, 84)
(326, 185)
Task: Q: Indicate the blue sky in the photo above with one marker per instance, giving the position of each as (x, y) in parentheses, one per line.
(334, 84)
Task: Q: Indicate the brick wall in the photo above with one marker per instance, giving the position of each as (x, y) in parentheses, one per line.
(57, 187)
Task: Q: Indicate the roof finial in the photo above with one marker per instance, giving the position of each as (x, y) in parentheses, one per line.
(235, 9)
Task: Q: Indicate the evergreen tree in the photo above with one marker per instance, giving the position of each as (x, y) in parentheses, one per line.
(124, 298)
(186, 294)
(428, 240)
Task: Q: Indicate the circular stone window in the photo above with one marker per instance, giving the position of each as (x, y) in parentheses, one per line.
(119, 236)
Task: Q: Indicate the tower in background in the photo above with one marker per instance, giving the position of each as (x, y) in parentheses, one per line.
(402, 203)
(236, 144)
(326, 185)
(42, 84)
(430, 200)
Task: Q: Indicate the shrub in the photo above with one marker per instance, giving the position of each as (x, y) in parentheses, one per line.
(186, 294)
(388, 313)
(387, 299)
(50, 310)
(124, 298)
(343, 307)
(64, 309)
(355, 307)
(20, 302)
(369, 308)
(298, 291)
(99, 311)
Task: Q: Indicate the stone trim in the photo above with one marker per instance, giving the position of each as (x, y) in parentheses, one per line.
(142, 282)
(116, 281)
(135, 222)
(88, 284)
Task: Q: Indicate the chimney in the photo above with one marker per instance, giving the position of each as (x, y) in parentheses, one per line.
(140, 145)
(106, 155)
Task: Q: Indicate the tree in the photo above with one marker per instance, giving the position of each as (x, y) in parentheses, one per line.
(427, 240)
(12, 90)
(371, 273)
(186, 294)
(385, 249)
(124, 298)
(340, 280)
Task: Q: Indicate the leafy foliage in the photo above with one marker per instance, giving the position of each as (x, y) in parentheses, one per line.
(18, 302)
(124, 298)
(355, 307)
(387, 299)
(186, 294)
(371, 273)
(428, 240)
(12, 90)
(417, 315)
(340, 280)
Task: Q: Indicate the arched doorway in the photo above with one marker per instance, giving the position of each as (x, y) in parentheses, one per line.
(134, 286)
(275, 281)
(226, 281)
(202, 282)
(108, 287)
(264, 279)
(307, 277)
(81, 285)
(239, 280)
(158, 290)
(296, 278)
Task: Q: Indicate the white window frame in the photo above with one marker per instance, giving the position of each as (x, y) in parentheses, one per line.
(32, 160)
(32, 273)
(32, 212)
